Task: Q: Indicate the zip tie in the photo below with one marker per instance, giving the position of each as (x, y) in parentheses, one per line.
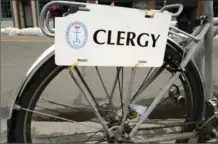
(146, 13)
(136, 65)
(74, 64)
(153, 13)
(113, 3)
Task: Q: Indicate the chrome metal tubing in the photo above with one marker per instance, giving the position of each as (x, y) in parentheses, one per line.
(185, 33)
(170, 82)
(45, 9)
(208, 49)
(90, 101)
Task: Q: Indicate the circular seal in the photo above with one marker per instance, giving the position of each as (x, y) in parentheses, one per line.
(76, 35)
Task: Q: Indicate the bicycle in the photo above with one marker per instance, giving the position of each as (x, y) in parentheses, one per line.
(195, 118)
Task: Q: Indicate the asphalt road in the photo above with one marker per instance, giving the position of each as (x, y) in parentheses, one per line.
(19, 52)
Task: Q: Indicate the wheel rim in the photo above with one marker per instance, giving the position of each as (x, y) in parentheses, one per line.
(184, 82)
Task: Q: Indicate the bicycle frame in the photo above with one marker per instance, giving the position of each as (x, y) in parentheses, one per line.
(203, 34)
(199, 36)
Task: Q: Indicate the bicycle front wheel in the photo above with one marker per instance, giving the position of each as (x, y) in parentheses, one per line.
(54, 110)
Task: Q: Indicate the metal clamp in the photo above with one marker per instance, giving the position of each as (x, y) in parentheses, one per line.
(46, 23)
(179, 6)
(44, 16)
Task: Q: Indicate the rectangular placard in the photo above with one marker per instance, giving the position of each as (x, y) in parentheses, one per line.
(111, 36)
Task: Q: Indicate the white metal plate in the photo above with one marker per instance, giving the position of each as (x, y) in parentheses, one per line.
(111, 36)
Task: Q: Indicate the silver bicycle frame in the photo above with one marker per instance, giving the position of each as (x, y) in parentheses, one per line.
(205, 36)
(200, 36)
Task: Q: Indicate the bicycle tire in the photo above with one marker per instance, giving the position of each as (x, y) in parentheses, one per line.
(50, 68)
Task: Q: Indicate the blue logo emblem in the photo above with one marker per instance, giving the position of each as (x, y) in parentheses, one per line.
(76, 35)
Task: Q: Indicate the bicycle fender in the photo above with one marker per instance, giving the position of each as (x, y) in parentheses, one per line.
(35, 66)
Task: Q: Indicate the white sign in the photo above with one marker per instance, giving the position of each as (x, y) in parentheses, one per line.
(111, 36)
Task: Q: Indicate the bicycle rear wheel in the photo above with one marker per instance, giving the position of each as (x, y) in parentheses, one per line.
(183, 103)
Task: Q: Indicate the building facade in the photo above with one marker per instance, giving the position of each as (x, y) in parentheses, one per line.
(25, 13)
(5, 12)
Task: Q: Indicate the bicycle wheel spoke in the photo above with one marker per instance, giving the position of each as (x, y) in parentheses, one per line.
(160, 104)
(143, 82)
(149, 80)
(86, 85)
(101, 140)
(49, 109)
(146, 77)
(92, 135)
(61, 114)
(94, 104)
(150, 76)
(120, 82)
(76, 135)
(122, 78)
(115, 84)
(127, 102)
(67, 135)
(104, 87)
(72, 107)
(57, 117)
(52, 102)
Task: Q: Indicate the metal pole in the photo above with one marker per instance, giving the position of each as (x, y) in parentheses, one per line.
(208, 49)
(34, 13)
(15, 13)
